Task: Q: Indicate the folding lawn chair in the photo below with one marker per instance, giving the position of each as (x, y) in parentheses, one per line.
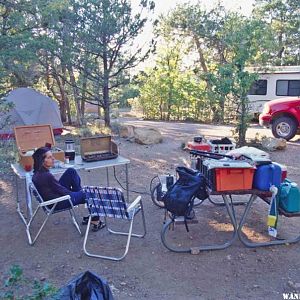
(110, 203)
(48, 211)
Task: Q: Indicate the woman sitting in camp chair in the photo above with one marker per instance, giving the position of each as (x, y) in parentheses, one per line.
(68, 184)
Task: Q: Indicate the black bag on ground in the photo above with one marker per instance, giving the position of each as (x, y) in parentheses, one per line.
(179, 198)
(86, 286)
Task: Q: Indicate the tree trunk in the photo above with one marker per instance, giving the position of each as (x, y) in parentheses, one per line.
(76, 96)
(105, 90)
(222, 108)
(243, 122)
(62, 108)
(82, 103)
(61, 103)
(106, 105)
(66, 98)
(201, 56)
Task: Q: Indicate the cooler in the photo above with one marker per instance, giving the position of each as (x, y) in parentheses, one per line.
(267, 175)
(29, 138)
(228, 175)
(283, 171)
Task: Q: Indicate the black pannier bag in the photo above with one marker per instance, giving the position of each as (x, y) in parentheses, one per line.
(179, 198)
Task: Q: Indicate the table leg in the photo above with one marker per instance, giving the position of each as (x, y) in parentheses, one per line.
(251, 244)
(28, 197)
(107, 176)
(195, 250)
(18, 202)
(127, 182)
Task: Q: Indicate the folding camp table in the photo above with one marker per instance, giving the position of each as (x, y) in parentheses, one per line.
(20, 173)
(237, 226)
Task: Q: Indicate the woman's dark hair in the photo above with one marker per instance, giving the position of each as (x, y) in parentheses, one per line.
(38, 158)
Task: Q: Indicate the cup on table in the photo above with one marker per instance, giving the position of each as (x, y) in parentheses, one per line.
(78, 160)
(67, 159)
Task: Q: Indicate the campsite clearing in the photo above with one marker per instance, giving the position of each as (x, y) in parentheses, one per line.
(150, 271)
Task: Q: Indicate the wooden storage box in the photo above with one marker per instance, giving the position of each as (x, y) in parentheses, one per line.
(29, 138)
(92, 148)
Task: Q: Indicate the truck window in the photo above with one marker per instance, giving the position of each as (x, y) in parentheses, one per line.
(288, 88)
(259, 87)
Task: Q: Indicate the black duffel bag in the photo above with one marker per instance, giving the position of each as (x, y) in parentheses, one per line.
(180, 197)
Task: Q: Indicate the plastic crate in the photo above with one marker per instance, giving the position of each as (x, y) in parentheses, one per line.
(228, 176)
(221, 148)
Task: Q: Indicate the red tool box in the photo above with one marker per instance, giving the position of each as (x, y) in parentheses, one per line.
(198, 146)
(198, 143)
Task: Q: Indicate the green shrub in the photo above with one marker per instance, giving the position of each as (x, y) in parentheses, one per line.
(16, 285)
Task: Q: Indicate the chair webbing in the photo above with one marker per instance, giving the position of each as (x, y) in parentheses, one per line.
(106, 202)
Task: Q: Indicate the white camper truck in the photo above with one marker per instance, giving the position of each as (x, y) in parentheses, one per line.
(273, 83)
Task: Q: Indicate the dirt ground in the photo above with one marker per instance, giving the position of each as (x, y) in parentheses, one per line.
(150, 271)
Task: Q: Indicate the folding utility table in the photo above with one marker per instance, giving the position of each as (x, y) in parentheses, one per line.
(237, 226)
(20, 173)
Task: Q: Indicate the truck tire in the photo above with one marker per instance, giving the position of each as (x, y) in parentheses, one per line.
(284, 127)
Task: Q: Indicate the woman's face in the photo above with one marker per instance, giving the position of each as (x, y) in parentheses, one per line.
(48, 160)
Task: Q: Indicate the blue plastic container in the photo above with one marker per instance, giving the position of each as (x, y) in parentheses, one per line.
(267, 175)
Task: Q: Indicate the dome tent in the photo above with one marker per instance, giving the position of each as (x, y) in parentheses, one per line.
(32, 108)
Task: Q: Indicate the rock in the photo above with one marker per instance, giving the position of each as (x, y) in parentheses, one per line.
(195, 250)
(126, 131)
(147, 136)
(273, 144)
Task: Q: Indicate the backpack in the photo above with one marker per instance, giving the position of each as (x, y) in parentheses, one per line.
(179, 198)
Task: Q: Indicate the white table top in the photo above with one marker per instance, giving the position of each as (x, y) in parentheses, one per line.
(82, 165)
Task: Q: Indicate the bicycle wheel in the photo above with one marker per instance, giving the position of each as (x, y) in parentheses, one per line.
(154, 196)
(198, 201)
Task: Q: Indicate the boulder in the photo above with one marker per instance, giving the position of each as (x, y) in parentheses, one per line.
(126, 131)
(147, 136)
(273, 144)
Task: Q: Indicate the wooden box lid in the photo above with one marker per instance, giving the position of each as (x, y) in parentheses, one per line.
(33, 136)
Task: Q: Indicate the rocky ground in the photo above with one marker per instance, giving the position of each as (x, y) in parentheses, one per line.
(150, 271)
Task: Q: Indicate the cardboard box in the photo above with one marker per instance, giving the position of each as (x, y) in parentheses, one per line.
(29, 138)
(96, 146)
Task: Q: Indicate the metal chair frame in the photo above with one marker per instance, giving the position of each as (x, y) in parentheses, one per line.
(129, 212)
(48, 211)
